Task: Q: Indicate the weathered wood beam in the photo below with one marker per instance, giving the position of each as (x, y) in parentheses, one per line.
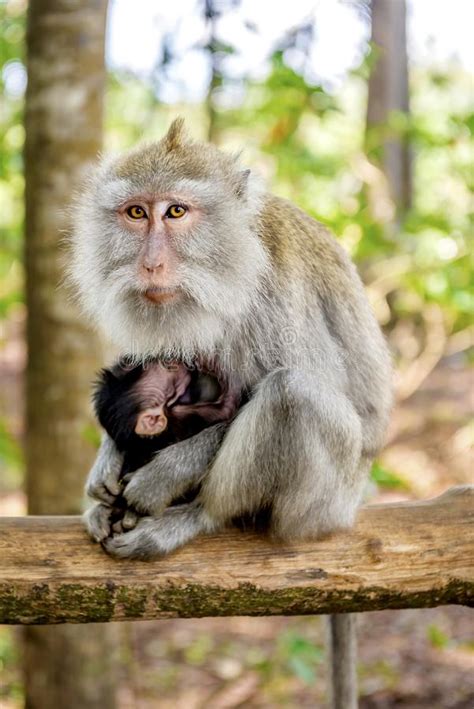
(398, 556)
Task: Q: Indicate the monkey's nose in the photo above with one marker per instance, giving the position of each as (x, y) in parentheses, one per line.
(151, 269)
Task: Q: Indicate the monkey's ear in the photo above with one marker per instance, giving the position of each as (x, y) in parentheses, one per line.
(242, 183)
(176, 135)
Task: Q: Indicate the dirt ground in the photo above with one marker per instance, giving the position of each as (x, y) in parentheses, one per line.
(412, 659)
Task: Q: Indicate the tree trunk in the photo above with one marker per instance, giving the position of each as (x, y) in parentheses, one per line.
(64, 666)
(211, 14)
(388, 92)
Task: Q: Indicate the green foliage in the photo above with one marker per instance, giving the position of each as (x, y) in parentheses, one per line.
(315, 144)
(12, 29)
(300, 655)
(91, 434)
(437, 637)
(387, 479)
(8, 650)
(11, 691)
(295, 654)
(11, 458)
(199, 650)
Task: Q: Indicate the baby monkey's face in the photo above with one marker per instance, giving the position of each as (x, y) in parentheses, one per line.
(159, 387)
(139, 402)
(166, 390)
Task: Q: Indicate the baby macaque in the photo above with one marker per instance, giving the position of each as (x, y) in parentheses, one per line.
(147, 407)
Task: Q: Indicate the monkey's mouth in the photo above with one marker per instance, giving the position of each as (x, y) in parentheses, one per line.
(159, 295)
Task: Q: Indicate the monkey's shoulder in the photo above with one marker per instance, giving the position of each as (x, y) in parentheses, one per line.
(296, 240)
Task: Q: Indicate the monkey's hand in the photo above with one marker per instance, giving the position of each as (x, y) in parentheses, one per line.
(172, 472)
(103, 485)
(102, 521)
(97, 521)
(103, 482)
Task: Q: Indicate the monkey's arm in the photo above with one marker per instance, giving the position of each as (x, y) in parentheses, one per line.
(103, 481)
(173, 471)
(103, 485)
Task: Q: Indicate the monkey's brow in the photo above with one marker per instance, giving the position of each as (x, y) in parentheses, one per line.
(153, 197)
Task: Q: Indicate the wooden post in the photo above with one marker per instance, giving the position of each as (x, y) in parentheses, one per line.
(343, 661)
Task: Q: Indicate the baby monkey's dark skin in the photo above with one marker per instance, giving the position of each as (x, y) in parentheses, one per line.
(148, 406)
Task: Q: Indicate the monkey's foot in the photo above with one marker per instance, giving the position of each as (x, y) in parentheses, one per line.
(155, 536)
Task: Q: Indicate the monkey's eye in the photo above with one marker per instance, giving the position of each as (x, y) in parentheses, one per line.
(176, 211)
(136, 212)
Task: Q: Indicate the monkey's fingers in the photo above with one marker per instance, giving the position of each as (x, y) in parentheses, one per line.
(104, 491)
(117, 527)
(130, 519)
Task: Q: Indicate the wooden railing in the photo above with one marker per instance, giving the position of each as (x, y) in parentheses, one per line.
(402, 555)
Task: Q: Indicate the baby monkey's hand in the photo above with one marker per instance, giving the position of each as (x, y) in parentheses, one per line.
(103, 483)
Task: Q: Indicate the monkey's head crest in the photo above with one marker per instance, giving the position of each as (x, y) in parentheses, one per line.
(176, 135)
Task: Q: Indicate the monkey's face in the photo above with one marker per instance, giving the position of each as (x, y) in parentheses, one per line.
(157, 390)
(134, 400)
(164, 253)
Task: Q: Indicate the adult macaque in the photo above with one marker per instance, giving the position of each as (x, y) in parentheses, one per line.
(179, 255)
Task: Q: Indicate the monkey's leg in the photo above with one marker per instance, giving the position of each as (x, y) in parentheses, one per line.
(343, 655)
(152, 488)
(294, 448)
(173, 471)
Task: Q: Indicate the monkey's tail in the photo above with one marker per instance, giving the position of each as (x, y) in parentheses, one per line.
(342, 662)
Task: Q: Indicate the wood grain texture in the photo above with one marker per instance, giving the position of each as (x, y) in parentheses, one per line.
(416, 554)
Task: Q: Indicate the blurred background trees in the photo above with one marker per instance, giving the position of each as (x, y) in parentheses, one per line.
(388, 97)
(381, 151)
(63, 665)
